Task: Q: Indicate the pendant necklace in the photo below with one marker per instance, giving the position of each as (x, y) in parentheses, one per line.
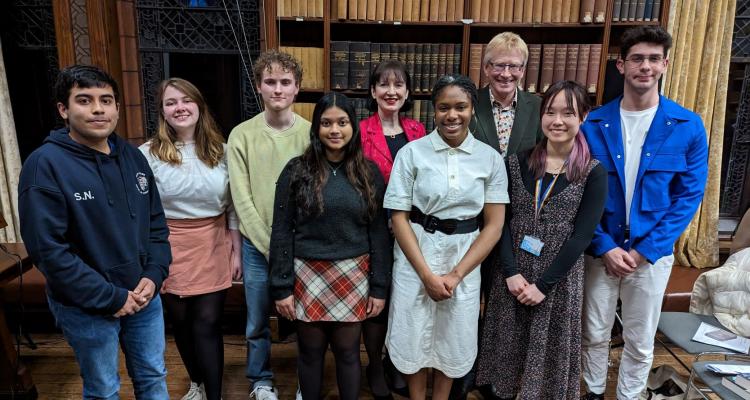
(334, 170)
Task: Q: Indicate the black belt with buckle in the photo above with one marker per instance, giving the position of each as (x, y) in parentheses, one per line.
(447, 226)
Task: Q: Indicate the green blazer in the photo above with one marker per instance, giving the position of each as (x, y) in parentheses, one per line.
(526, 132)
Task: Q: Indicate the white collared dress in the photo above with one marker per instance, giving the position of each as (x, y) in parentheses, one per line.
(448, 183)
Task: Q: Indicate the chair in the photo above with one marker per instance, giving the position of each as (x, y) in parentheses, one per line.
(679, 328)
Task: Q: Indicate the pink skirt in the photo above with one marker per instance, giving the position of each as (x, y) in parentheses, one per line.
(201, 254)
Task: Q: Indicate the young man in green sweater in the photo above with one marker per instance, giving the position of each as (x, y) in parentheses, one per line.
(259, 148)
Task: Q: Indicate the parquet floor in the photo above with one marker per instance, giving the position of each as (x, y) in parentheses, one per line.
(55, 372)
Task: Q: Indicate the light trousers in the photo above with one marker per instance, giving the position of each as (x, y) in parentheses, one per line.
(641, 293)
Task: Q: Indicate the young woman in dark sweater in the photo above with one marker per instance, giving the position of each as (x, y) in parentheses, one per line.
(330, 247)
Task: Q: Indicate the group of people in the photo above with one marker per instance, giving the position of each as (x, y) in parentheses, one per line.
(501, 201)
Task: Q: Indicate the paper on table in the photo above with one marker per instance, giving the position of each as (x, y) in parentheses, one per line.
(712, 335)
(728, 369)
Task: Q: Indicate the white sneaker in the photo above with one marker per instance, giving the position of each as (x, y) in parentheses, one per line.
(194, 393)
(264, 393)
(298, 396)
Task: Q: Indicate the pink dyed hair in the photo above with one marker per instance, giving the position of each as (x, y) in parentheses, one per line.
(576, 99)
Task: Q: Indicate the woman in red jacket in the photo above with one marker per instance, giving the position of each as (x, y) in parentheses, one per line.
(383, 135)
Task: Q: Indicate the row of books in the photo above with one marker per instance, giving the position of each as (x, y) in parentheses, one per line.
(398, 10)
(636, 10)
(351, 62)
(299, 8)
(548, 63)
(538, 11)
(313, 69)
(423, 111)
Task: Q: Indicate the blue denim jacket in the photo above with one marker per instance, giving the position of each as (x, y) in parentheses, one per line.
(670, 182)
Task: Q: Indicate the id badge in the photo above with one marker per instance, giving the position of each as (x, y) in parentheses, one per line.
(532, 245)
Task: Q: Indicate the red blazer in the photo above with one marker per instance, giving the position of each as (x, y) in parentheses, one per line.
(374, 145)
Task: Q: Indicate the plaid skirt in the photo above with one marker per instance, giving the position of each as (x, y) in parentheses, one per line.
(327, 290)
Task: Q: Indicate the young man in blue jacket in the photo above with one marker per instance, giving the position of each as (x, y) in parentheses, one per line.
(657, 156)
(92, 221)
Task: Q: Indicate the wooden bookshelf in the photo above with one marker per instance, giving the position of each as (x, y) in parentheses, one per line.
(319, 32)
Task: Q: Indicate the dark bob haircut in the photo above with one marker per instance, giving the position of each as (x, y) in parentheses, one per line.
(383, 70)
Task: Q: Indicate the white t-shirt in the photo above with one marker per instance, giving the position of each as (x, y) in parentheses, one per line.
(635, 125)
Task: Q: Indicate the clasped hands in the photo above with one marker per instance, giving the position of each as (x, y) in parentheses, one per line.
(138, 298)
(620, 263)
(285, 307)
(527, 294)
(441, 287)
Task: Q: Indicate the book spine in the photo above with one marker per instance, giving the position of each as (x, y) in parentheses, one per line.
(640, 10)
(418, 63)
(426, 60)
(434, 10)
(459, 10)
(571, 62)
(476, 9)
(518, 7)
(528, 11)
(341, 9)
(406, 15)
(280, 11)
(450, 14)
(339, 65)
(303, 8)
(375, 55)
(649, 8)
(565, 12)
(632, 8)
(484, 17)
(475, 62)
(442, 10)
(482, 75)
(616, 10)
(494, 14)
(600, 10)
(359, 65)
(457, 58)
(548, 67)
(442, 59)
(587, 11)
(361, 10)
(557, 10)
(532, 70)
(424, 10)
(592, 76)
(561, 52)
(411, 58)
(509, 9)
(434, 58)
(449, 58)
(575, 10)
(656, 11)
(415, 10)
(583, 64)
(389, 6)
(547, 11)
(538, 5)
(371, 10)
(380, 10)
(352, 9)
(398, 10)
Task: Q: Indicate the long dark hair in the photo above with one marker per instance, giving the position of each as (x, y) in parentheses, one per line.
(578, 101)
(312, 170)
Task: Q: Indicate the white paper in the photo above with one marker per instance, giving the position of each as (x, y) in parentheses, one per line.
(728, 369)
(712, 335)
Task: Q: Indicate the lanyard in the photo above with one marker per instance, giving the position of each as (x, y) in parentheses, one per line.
(542, 195)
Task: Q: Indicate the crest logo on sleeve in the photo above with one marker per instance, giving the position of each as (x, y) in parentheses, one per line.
(142, 182)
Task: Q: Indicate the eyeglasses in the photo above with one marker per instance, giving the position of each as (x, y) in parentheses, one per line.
(639, 59)
(501, 67)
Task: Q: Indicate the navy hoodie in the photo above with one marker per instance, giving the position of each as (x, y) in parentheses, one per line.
(92, 222)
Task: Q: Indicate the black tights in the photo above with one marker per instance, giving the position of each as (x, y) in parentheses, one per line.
(196, 324)
(312, 341)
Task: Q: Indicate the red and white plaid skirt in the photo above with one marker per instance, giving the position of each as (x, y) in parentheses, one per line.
(327, 290)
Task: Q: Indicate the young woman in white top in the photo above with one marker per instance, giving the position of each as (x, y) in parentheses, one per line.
(188, 158)
(439, 185)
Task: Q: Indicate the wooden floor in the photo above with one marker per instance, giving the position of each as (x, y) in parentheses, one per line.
(55, 372)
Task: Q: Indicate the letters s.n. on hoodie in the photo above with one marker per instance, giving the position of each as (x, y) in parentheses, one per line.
(92, 222)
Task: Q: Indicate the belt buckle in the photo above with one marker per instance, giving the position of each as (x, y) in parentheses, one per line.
(430, 224)
(449, 226)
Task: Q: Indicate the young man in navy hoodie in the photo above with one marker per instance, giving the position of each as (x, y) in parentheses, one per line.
(92, 221)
